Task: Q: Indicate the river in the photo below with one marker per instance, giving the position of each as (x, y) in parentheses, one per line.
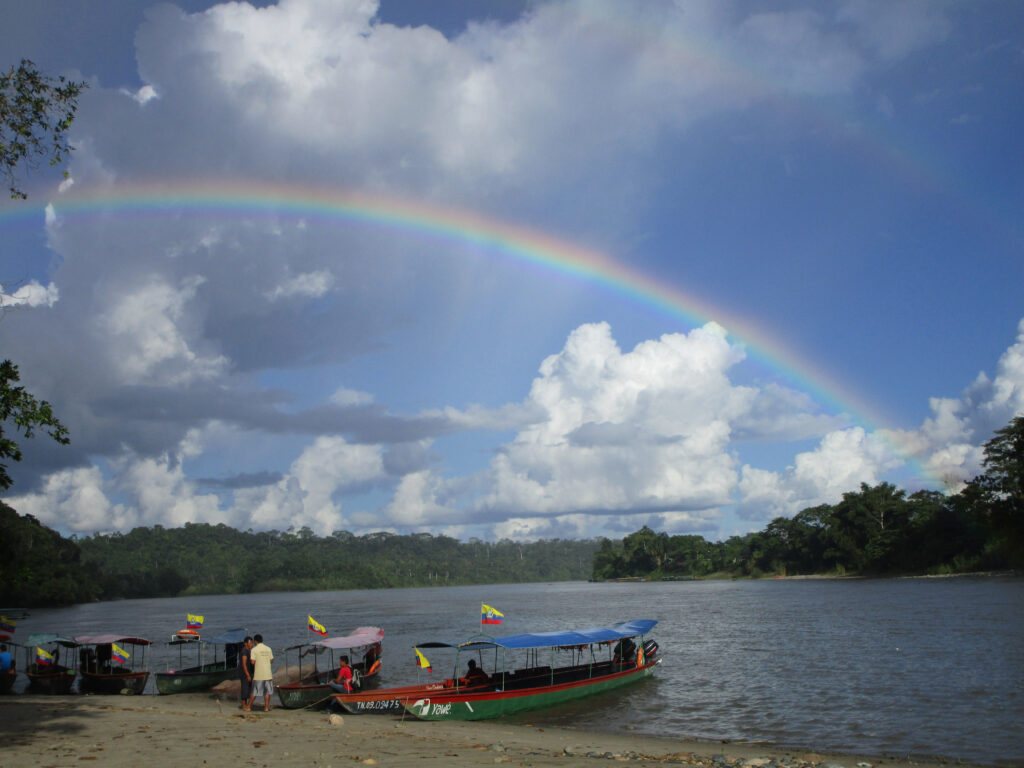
(884, 667)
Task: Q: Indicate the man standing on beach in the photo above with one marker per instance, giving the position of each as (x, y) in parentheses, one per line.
(245, 672)
(262, 675)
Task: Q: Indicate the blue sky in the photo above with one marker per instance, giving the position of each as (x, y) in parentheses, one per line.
(831, 192)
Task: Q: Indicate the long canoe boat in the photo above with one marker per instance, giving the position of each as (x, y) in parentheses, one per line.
(602, 659)
(100, 669)
(364, 648)
(46, 674)
(211, 667)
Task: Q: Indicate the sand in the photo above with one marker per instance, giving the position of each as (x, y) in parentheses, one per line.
(209, 729)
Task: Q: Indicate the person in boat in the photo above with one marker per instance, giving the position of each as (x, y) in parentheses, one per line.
(371, 658)
(104, 653)
(7, 663)
(343, 682)
(245, 672)
(262, 672)
(625, 651)
(474, 674)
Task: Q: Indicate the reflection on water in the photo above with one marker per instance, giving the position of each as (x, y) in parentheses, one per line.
(921, 666)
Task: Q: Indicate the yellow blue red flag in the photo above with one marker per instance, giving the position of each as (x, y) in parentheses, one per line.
(119, 654)
(490, 615)
(317, 627)
(7, 625)
(421, 661)
(43, 658)
(194, 622)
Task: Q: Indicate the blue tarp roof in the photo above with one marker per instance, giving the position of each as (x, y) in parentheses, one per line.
(567, 637)
(229, 637)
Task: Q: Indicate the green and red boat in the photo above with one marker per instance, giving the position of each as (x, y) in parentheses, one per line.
(600, 659)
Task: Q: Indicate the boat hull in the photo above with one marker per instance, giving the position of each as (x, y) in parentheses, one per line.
(111, 684)
(486, 705)
(391, 701)
(298, 696)
(194, 679)
(315, 689)
(54, 682)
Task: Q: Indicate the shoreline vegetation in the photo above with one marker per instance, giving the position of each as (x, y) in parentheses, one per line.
(197, 729)
(875, 531)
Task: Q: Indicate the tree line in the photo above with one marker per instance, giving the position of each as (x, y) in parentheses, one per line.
(877, 530)
(39, 567)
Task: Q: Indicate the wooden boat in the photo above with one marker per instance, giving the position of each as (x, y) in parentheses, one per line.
(364, 648)
(100, 672)
(212, 664)
(53, 678)
(391, 701)
(533, 685)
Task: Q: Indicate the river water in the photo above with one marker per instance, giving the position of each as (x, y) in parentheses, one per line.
(883, 667)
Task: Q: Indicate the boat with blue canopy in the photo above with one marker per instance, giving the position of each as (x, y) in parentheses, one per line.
(542, 669)
(213, 661)
(391, 701)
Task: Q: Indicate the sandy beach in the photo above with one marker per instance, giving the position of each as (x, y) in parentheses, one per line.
(210, 729)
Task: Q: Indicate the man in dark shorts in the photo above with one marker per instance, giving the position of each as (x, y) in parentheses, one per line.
(245, 672)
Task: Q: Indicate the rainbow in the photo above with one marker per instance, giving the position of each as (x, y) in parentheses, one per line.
(487, 234)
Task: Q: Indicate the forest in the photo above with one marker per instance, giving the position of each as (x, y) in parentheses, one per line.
(39, 567)
(875, 531)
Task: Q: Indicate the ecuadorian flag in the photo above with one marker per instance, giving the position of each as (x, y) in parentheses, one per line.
(119, 654)
(490, 615)
(6, 625)
(317, 627)
(43, 658)
(193, 622)
(421, 661)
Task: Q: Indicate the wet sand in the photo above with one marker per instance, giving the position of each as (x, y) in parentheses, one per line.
(210, 729)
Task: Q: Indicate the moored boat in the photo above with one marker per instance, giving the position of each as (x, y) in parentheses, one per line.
(216, 660)
(111, 664)
(391, 701)
(364, 648)
(515, 687)
(47, 672)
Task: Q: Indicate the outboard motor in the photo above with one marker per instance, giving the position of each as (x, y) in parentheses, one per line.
(650, 649)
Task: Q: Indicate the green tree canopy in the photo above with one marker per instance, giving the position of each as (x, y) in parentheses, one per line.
(26, 414)
(36, 112)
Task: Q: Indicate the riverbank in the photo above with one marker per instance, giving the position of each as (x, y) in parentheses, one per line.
(198, 729)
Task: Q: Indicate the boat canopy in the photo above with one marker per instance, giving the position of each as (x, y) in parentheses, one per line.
(43, 638)
(618, 631)
(359, 638)
(231, 637)
(108, 639)
(362, 636)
